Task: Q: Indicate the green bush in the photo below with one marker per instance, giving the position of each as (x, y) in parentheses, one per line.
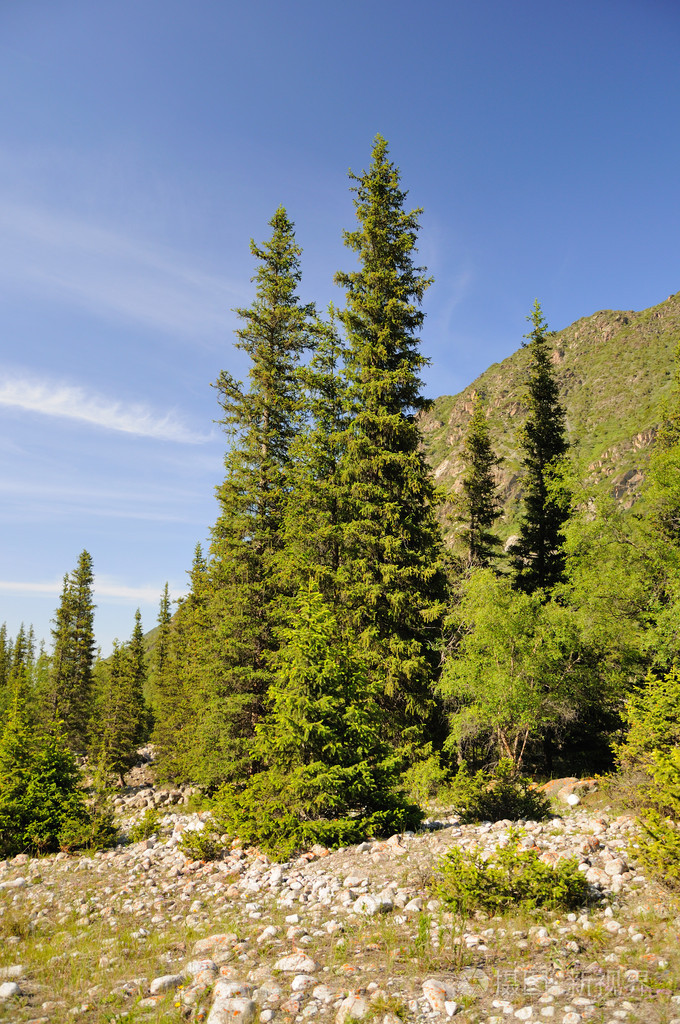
(42, 807)
(95, 831)
(203, 845)
(652, 719)
(651, 748)
(511, 877)
(285, 829)
(495, 795)
(425, 779)
(148, 825)
(660, 848)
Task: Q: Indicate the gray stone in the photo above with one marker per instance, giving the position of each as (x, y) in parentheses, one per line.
(165, 983)
(235, 1010)
(296, 963)
(16, 971)
(370, 905)
(355, 1006)
(8, 989)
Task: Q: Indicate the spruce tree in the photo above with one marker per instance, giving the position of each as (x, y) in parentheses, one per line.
(139, 678)
(316, 507)
(246, 539)
(5, 664)
(480, 507)
(328, 775)
(160, 651)
(69, 697)
(40, 795)
(538, 557)
(392, 578)
(118, 712)
(181, 682)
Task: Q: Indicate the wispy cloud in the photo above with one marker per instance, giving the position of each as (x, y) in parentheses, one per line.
(104, 588)
(65, 257)
(50, 398)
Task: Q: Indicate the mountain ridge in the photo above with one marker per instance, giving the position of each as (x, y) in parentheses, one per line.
(615, 369)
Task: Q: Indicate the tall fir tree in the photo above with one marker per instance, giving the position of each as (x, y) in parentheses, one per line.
(160, 652)
(392, 578)
(181, 682)
(246, 539)
(316, 502)
(5, 663)
(69, 693)
(538, 557)
(120, 721)
(138, 679)
(479, 506)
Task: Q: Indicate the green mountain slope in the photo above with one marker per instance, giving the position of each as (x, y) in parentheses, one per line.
(615, 371)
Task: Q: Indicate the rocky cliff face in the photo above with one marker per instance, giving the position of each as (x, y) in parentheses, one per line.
(615, 371)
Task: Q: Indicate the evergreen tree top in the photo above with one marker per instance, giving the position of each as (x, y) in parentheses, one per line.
(382, 314)
(545, 436)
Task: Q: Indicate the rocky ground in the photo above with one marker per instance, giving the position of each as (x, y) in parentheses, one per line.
(141, 933)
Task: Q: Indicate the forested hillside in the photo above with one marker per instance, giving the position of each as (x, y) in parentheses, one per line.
(615, 373)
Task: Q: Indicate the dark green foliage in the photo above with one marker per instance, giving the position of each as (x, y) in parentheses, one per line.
(120, 718)
(5, 666)
(329, 775)
(148, 825)
(69, 695)
(496, 795)
(538, 555)
(244, 596)
(160, 654)
(40, 796)
(511, 879)
(391, 579)
(317, 505)
(479, 507)
(181, 685)
(138, 681)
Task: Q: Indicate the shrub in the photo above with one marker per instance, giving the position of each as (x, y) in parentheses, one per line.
(42, 808)
(651, 748)
(95, 831)
(652, 720)
(202, 845)
(495, 795)
(511, 877)
(285, 829)
(425, 779)
(148, 825)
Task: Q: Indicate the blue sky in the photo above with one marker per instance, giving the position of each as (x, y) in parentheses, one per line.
(143, 143)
